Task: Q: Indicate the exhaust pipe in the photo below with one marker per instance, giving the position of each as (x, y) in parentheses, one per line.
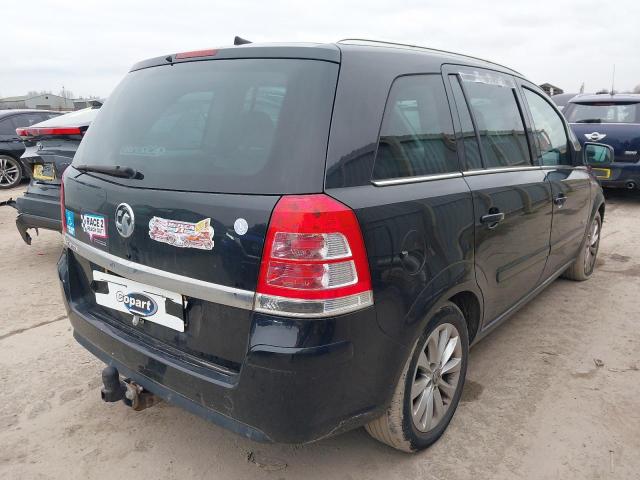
(128, 391)
(631, 185)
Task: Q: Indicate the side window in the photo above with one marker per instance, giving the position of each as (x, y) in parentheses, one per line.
(472, 159)
(548, 131)
(416, 137)
(498, 119)
(7, 127)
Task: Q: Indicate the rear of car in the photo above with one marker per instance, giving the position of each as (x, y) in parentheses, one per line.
(613, 120)
(202, 259)
(49, 149)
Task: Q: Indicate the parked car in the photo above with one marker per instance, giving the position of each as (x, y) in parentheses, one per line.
(613, 120)
(49, 149)
(296, 240)
(11, 147)
(562, 99)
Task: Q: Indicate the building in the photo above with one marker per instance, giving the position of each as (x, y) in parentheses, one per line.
(551, 89)
(81, 103)
(45, 101)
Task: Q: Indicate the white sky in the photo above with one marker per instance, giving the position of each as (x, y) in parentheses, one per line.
(88, 45)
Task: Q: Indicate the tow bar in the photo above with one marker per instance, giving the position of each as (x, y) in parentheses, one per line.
(132, 394)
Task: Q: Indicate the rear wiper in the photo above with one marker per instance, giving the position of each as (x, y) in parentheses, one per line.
(113, 170)
(590, 120)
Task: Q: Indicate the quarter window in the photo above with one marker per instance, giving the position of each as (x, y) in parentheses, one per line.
(472, 159)
(7, 127)
(498, 119)
(548, 131)
(416, 137)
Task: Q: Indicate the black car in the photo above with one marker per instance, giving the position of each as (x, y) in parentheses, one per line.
(11, 147)
(613, 120)
(562, 99)
(49, 149)
(295, 240)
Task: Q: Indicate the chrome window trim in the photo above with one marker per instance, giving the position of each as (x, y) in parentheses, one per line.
(192, 287)
(486, 171)
(416, 179)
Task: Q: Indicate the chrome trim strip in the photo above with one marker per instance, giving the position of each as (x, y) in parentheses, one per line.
(211, 292)
(486, 171)
(423, 178)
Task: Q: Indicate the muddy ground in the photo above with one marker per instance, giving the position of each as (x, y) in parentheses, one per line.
(536, 403)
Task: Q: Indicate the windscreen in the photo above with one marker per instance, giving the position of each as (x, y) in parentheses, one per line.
(230, 126)
(603, 112)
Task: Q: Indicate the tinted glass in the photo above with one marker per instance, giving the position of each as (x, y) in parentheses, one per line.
(472, 160)
(548, 131)
(7, 127)
(498, 118)
(231, 126)
(603, 112)
(416, 137)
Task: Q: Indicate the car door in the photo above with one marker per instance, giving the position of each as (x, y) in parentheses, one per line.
(10, 143)
(569, 180)
(511, 197)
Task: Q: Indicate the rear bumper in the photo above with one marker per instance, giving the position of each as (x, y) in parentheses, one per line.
(301, 380)
(39, 207)
(622, 176)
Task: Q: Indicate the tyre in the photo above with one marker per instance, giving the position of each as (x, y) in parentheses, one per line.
(10, 172)
(429, 387)
(585, 262)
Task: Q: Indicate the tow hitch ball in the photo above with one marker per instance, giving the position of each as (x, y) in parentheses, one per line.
(128, 391)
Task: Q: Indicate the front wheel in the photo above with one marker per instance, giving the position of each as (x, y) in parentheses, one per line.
(585, 262)
(10, 172)
(430, 386)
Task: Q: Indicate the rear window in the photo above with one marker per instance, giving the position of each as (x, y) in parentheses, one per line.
(603, 112)
(229, 126)
(416, 137)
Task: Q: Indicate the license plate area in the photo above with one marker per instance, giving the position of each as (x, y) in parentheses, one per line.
(139, 300)
(44, 171)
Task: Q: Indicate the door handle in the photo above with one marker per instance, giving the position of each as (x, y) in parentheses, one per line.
(560, 200)
(492, 219)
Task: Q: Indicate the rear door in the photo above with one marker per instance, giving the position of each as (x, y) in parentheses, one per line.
(214, 144)
(512, 200)
(570, 183)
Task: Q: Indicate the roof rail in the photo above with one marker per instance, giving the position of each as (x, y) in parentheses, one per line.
(382, 42)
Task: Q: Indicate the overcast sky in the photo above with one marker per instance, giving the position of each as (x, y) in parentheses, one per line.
(87, 46)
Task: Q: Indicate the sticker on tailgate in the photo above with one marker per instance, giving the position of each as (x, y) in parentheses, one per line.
(95, 225)
(182, 234)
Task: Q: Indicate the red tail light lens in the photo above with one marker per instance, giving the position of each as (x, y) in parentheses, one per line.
(47, 131)
(314, 262)
(196, 54)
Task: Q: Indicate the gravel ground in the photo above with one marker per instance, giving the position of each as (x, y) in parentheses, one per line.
(553, 393)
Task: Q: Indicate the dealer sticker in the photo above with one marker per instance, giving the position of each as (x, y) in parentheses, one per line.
(95, 226)
(182, 234)
(70, 221)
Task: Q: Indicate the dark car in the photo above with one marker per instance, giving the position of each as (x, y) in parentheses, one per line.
(562, 99)
(11, 147)
(49, 149)
(613, 120)
(295, 240)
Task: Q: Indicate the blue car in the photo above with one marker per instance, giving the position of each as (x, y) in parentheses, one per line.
(615, 121)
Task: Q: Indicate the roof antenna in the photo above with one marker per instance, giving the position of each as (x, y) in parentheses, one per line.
(613, 79)
(240, 41)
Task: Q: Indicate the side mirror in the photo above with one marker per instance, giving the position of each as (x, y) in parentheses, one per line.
(596, 154)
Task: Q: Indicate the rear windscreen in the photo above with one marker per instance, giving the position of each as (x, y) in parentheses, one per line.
(603, 112)
(229, 126)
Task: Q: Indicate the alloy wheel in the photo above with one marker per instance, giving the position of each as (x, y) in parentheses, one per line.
(436, 377)
(591, 247)
(9, 172)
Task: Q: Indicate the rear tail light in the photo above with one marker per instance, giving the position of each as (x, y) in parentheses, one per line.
(47, 131)
(314, 262)
(63, 217)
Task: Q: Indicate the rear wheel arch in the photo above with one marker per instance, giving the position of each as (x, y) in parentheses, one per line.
(470, 306)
